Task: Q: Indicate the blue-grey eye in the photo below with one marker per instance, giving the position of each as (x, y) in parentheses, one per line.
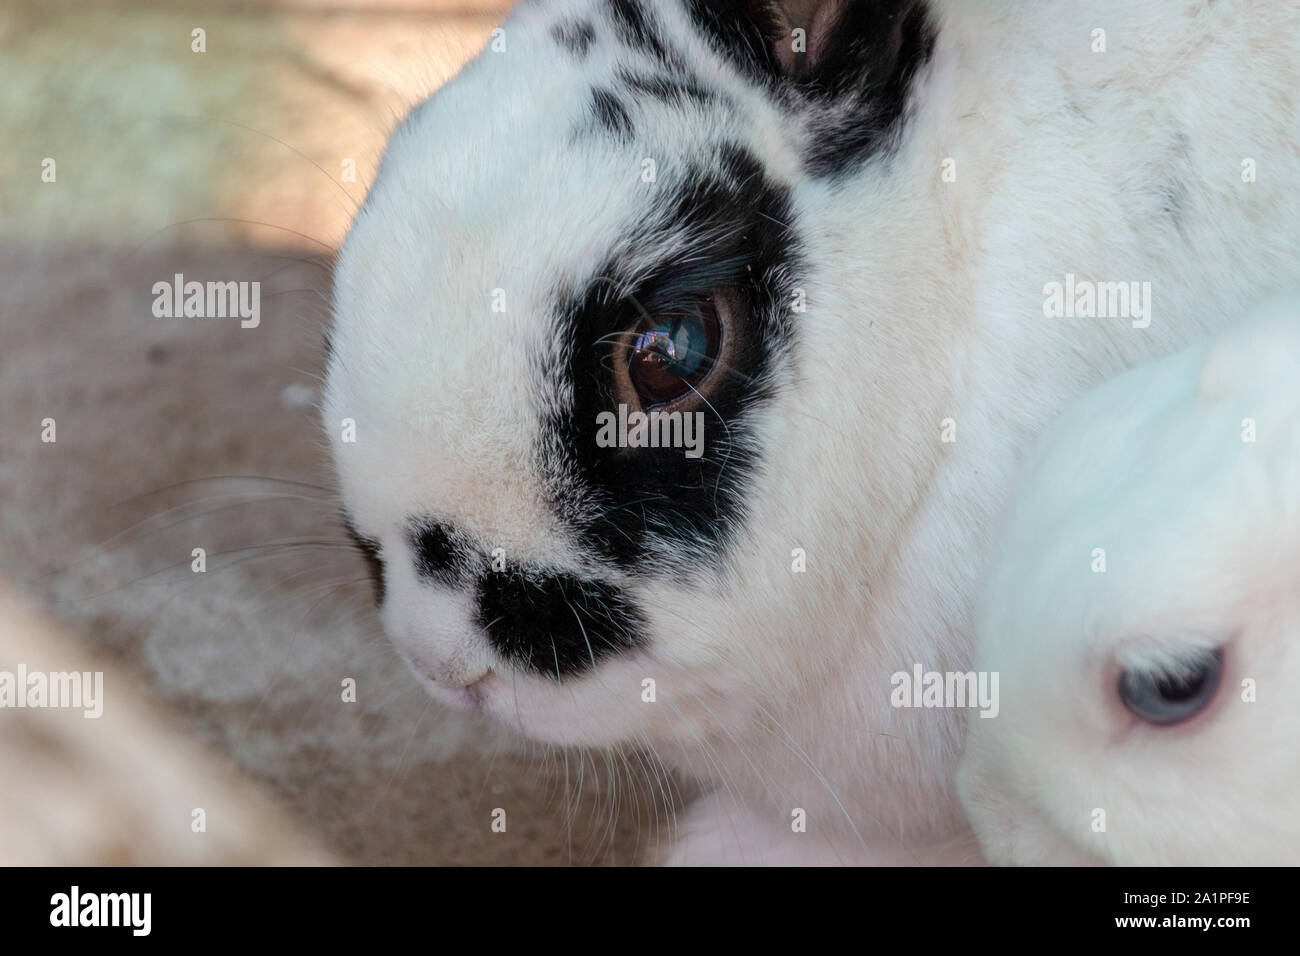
(670, 355)
(1171, 696)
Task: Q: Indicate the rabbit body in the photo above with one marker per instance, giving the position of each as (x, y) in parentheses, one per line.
(1158, 518)
(922, 236)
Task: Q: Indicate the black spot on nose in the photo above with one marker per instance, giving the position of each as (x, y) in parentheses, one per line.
(548, 623)
(556, 624)
(440, 554)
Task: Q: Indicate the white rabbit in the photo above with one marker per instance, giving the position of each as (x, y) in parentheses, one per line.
(862, 251)
(1143, 612)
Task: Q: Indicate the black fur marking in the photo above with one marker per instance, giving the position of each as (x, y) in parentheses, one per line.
(369, 549)
(556, 624)
(742, 30)
(670, 89)
(1172, 197)
(868, 73)
(576, 37)
(859, 89)
(611, 115)
(636, 28)
(1172, 194)
(440, 555)
(654, 509)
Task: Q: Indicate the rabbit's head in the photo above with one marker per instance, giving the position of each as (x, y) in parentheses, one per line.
(588, 354)
(1143, 612)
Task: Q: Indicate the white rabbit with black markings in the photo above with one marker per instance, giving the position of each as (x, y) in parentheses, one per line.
(835, 248)
(1143, 613)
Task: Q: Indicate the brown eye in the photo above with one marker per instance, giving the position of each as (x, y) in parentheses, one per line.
(670, 355)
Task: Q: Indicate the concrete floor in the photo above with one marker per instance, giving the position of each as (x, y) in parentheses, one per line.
(229, 164)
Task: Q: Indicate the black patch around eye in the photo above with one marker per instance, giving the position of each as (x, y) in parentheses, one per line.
(576, 37)
(369, 549)
(643, 508)
(611, 115)
(556, 625)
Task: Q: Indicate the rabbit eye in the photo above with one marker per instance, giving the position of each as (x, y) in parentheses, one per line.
(670, 355)
(1164, 697)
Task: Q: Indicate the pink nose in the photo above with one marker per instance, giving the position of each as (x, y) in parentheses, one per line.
(453, 673)
(471, 696)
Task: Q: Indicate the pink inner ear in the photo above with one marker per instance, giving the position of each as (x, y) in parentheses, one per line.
(817, 17)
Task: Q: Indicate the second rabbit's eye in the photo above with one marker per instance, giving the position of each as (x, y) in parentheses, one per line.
(670, 355)
(1171, 696)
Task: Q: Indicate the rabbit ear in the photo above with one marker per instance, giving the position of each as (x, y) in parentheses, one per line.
(806, 27)
(856, 59)
(835, 47)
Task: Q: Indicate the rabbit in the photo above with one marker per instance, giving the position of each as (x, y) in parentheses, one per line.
(1147, 715)
(870, 247)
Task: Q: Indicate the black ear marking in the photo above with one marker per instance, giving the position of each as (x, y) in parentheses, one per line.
(854, 63)
(801, 38)
(744, 30)
(806, 28)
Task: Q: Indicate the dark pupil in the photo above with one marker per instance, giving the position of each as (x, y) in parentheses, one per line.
(680, 347)
(1171, 696)
(669, 357)
(1184, 686)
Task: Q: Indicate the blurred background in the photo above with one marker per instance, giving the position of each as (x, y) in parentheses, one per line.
(128, 155)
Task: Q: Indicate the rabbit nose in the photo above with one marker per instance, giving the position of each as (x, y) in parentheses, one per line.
(434, 632)
(460, 681)
(456, 672)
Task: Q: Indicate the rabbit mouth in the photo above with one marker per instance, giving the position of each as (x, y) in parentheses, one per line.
(475, 696)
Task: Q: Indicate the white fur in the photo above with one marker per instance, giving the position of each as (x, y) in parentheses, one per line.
(924, 303)
(1202, 538)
